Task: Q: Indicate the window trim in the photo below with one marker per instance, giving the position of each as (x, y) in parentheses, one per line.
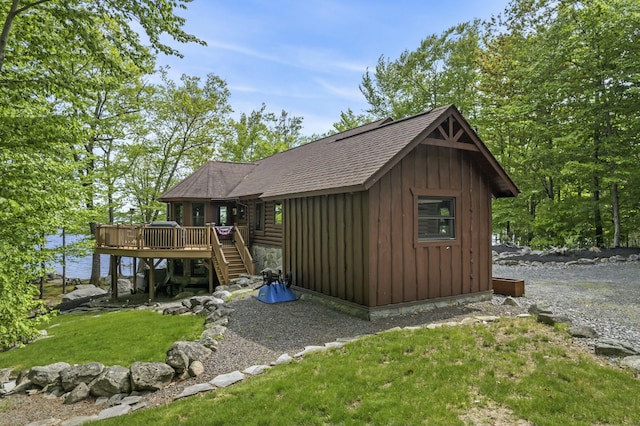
(262, 205)
(437, 193)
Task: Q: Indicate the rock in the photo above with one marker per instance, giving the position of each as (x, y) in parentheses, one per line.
(192, 390)
(487, 318)
(131, 399)
(634, 257)
(254, 370)
(222, 294)
(209, 343)
(196, 368)
(46, 422)
(224, 380)
(540, 308)
(78, 420)
(116, 399)
(84, 291)
(617, 258)
(8, 387)
(552, 319)
(181, 354)
(204, 300)
(631, 362)
(585, 261)
(124, 287)
(175, 310)
(582, 331)
(113, 380)
(83, 373)
(5, 374)
(242, 282)
(615, 348)
(151, 376)
(118, 410)
(309, 349)
(336, 345)
(215, 332)
(79, 393)
(49, 374)
(283, 359)
(510, 301)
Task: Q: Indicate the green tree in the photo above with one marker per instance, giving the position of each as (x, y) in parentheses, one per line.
(260, 134)
(55, 56)
(559, 105)
(181, 128)
(441, 71)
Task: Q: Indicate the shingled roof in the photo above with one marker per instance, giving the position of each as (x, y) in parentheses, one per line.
(349, 161)
(213, 181)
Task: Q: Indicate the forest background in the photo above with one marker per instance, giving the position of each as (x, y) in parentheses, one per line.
(552, 87)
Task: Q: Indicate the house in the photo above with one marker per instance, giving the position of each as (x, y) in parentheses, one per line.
(386, 218)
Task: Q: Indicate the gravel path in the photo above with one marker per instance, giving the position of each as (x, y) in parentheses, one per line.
(604, 296)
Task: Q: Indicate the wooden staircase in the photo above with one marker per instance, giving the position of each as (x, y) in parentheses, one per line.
(231, 258)
(236, 265)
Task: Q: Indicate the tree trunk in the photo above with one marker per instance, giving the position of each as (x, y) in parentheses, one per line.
(615, 205)
(6, 28)
(95, 261)
(597, 216)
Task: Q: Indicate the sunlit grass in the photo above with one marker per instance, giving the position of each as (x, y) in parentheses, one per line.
(113, 338)
(527, 370)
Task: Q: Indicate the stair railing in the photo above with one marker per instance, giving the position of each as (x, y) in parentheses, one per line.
(219, 261)
(245, 254)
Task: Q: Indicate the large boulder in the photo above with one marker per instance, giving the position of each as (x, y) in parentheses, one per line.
(84, 373)
(150, 376)
(124, 286)
(47, 375)
(84, 291)
(113, 380)
(181, 354)
(613, 347)
(79, 393)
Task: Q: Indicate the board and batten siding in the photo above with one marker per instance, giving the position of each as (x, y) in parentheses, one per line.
(326, 242)
(403, 270)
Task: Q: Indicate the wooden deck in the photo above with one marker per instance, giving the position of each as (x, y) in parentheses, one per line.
(189, 242)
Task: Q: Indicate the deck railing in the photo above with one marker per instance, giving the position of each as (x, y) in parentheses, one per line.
(245, 254)
(159, 237)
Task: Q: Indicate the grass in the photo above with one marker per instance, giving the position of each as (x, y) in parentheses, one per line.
(113, 338)
(503, 372)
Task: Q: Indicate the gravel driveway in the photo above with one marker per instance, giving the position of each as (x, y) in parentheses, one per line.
(605, 296)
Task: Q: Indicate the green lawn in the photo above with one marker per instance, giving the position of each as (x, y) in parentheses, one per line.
(113, 338)
(502, 372)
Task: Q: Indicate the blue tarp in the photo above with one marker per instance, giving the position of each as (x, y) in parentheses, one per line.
(276, 293)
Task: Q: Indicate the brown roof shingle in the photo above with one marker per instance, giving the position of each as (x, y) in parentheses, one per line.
(348, 161)
(214, 180)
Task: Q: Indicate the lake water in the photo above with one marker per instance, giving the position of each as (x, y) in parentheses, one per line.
(80, 267)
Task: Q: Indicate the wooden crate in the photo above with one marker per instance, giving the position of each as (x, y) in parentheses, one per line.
(508, 286)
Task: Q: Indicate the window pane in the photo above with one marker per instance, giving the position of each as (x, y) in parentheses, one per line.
(259, 216)
(198, 214)
(223, 215)
(278, 213)
(436, 218)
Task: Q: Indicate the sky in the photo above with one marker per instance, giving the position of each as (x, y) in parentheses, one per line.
(308, 57)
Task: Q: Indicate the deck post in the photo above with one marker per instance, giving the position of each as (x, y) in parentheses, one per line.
(135, 274)
(114, 276)
(152, 283)
(210, 268)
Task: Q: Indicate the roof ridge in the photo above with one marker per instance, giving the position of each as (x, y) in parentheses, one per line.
(400, 120)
